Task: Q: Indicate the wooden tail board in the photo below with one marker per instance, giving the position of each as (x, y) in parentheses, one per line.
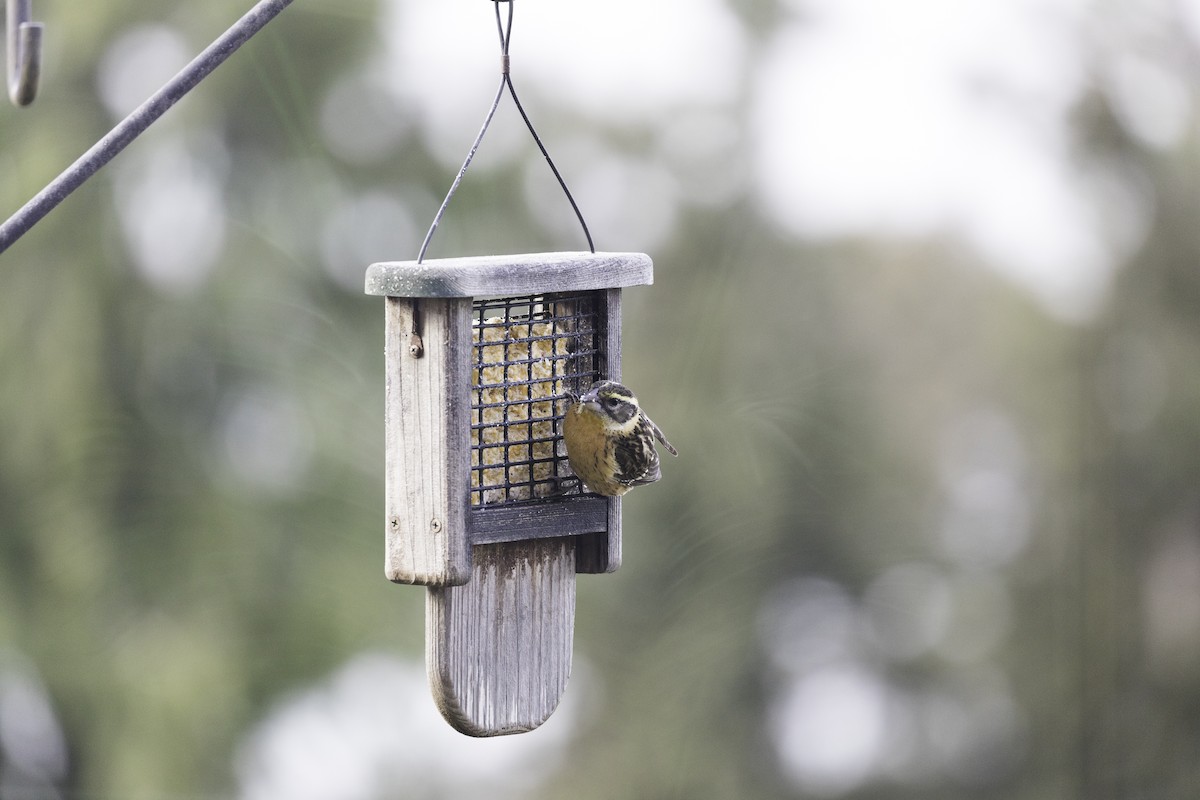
(498, 649)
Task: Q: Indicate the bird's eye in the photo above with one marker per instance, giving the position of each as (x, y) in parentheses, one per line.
(611, 402)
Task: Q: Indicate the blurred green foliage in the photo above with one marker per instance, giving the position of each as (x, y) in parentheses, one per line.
(191, 473)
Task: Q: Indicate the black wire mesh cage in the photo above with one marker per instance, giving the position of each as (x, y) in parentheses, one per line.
(527, 352)
(480, 355)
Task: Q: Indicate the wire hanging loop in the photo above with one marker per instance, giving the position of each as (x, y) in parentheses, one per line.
(24, 51)
(505, 32)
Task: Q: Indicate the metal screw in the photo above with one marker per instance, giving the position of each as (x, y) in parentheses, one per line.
(394, 522)
(435, 526)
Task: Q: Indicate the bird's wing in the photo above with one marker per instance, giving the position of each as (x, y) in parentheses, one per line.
(637, 461)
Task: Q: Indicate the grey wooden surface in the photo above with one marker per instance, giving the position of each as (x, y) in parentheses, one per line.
(566, 517)
(427, 428)
(509, 275)
(601, 552)
(498, 650)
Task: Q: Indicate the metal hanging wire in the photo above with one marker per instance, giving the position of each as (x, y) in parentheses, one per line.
(505, 83)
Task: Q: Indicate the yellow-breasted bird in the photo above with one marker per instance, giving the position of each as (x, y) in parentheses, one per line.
(610, 440)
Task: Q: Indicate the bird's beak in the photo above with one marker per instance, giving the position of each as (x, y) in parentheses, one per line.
(591, 399)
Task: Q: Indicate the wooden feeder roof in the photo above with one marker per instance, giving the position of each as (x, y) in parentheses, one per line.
(491, 276)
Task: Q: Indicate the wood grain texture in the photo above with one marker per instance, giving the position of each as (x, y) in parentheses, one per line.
(498, 650)
(564, 517)
(601, 552)
(427, 429)
(509, 275)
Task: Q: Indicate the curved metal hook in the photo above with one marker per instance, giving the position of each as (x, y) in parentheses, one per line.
(24, 51)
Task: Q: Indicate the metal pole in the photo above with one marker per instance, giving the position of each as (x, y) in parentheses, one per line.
(138, 121)
(24, 51)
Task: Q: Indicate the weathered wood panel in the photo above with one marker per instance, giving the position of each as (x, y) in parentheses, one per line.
(427, 430)
(499, 276)
(498, 649)
(601, 552)
(566, 517)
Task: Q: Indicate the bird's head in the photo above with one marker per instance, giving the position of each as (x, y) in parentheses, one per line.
(613, 403)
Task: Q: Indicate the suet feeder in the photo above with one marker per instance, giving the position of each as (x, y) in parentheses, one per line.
(481, 505)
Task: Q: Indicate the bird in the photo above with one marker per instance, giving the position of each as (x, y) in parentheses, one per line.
(610, 440)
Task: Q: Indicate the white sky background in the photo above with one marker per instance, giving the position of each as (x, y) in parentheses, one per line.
(866, 117)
